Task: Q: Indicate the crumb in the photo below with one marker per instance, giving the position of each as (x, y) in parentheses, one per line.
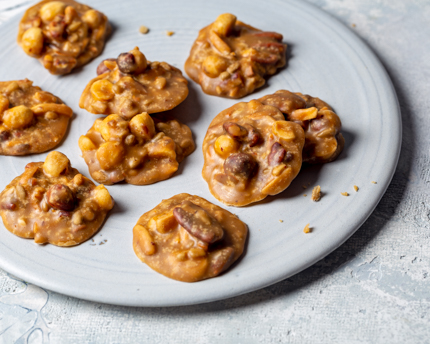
(353, 25)
(304, 186)
(143, 30)
(355, 188)
(373, 182)
(281, 221)
(344, 193)
(304, 195)
(307, 229)
(316, 193)
(102, 243)
(170, 33)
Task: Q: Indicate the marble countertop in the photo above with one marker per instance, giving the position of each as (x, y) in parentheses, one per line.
(373, 289)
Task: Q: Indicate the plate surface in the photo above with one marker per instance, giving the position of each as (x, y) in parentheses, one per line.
(326, 60)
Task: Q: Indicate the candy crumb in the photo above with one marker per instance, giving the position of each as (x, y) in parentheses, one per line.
(307, 229)
(355, 188)
(143, 29)
(170, 33)
(316, 193)
(373, 182)
(281, 221)
(344, 193)
(304, 195)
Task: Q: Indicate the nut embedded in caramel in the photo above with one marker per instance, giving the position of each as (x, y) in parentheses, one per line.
(130, 85)
(323, 140)
(251, 152)
(53, 203)
(188, 238)
(63, 35)
(31, 120)
(231, 59)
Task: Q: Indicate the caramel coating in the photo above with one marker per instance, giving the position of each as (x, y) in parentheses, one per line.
(231, 59)
(323, 140)
(130, 85)
(62, 209)
(141, 151)
(259, 155)
(31, 120)
(63, 35)
(160, 241)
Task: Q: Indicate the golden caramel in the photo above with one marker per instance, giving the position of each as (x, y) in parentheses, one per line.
(231, 59)
(189, 239)
(53, 203)
(141, 151)
(31, 120)
(130, 85)
(251, 152)
(63, 35)
(323, 140)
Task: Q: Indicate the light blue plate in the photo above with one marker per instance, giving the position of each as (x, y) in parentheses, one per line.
(327, 61)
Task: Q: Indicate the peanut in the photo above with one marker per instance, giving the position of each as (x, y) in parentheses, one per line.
(4, 104)
(114, 128)
(60, 109)
(92, 18)
(142, 126)
(225, 145)
(85, 144)
(145, 240)
(55, 164)
(214, 65)
(32, 41)
(102, 90)
(103, 198)
(303, 114)
(110, 154)
(224, 24)
(283, 130)
(51, 9)
(17, 117)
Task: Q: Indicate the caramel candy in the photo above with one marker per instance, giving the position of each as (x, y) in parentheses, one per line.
(251, 152)
(323, 140)
(130, 85)
(231, 59)
(53, 203)
(31, 120)
(188, 238)
(141, 151)
(63, 35)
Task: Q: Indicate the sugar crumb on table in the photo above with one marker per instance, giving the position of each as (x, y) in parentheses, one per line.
(307, 229)
(344, 193)
(170, 33)
(316, 193)
(143, 29)
(356, 188)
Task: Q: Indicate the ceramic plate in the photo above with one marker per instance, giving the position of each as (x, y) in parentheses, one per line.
(326, 60)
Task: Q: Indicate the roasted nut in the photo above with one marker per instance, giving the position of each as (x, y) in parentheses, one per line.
(4, 104)
(277, 154)
(102, 68)
(4, 135)
(114, 128)
(254, 137)
(196, 252)
(221, 260)
(78, 179)
(17, 117)
(163, 223)
(225, 145)
(198, 222)
(56, 29)
(32, 41)
(102, 90)
(130, 140)
(132, 62)
(219, 43)
(103, 198)
(142, 126)
(303, 114)
(224, 24)
(145, 240)
(85, 144)
(49, 10)
(61, 109)
(110, 154)
(283, 130)
(92, 18)
(214, 65)
(235, 130)
(240, 165)
(160, 82)
(60, 197)
(55, 164)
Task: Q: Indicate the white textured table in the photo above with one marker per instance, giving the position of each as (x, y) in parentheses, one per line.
(373, 289)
